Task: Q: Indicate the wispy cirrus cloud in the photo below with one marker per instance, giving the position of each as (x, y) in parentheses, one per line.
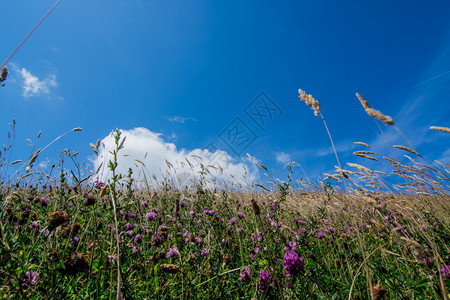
(182, 120)
(32, 86)
(282, 157)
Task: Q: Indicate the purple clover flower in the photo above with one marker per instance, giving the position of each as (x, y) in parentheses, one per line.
(136, 249)
(173, 252)
(150, 216)
(264, 281)
(292, 263)
(232, 220)
(320, 235)
(138, 239)
(445, 271)
(31, 278)
(99, 184)
(44, 201)
(75, 241)
(245, 275)
(204, 252)
(290, 246)
(130, 226)
(240, 215)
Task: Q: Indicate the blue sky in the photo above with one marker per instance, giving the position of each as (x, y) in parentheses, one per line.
(187, 71)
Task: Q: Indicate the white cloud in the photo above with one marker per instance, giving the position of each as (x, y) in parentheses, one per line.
(154, 160)
(180, 119)
(32, 86)
(283, 158)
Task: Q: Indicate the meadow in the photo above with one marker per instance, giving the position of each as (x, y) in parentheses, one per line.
(353, 235)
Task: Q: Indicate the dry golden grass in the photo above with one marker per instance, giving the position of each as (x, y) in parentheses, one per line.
(443, 129)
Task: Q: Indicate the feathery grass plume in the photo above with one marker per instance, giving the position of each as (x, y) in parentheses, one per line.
(4, 73)
(362, 144)
(33, 157)
(380, 172)
(406, 149)
(364, 152)
(393, 162)
(365, 156)
(361, 168)
(332, 176)
(315, 105)
(363, 101)
(443, 129)
(375, 113)
(310, 101)
(380, 116)
(15, 162)
(95, 147)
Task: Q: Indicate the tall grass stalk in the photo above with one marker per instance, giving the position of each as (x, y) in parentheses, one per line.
(112, 185)
(315, 105)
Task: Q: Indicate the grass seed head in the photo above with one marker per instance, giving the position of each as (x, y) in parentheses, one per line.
(362, 144)
(363, 101)
(374, 113)
(443, 129)
(406, 149)
(310, 101)
(380, 116)
(57, 218)
(4, 73)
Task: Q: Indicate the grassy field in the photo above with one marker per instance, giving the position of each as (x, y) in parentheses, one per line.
(65, 238)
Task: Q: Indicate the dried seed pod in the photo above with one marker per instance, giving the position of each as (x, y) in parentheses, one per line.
(75, 263)
(57, 218)
(255, 207)
(226, 260)
(169, 268)
(378, 292)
